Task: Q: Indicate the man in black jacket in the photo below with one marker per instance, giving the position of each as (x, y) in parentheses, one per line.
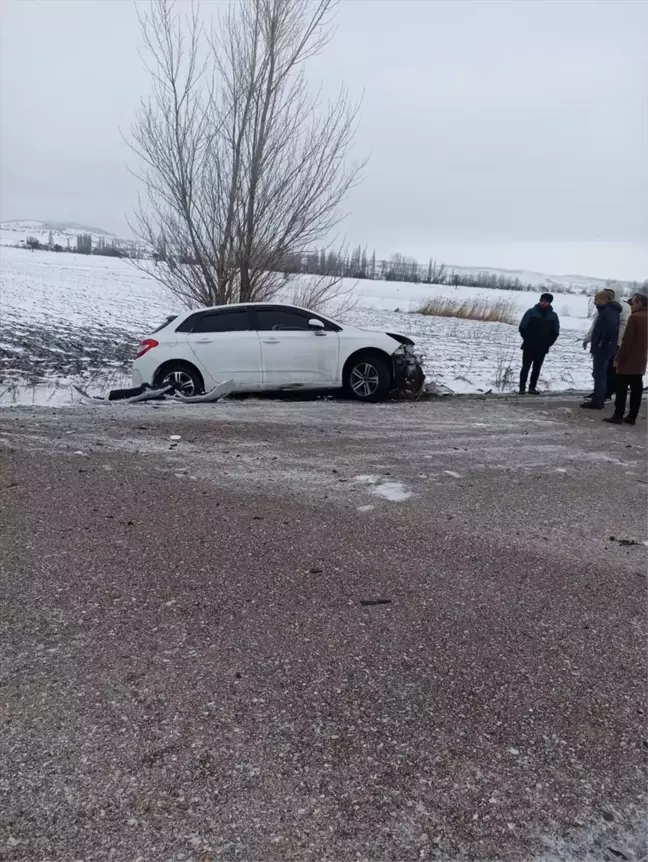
(605, 340)
(539, 329)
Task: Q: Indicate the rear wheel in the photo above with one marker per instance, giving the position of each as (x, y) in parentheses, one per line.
(184, 377)
(368, 378)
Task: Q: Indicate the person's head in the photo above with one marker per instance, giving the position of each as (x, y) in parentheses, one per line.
(639, 300)
(614, 288)
(602, 299)
(611, 293)
(545, 300)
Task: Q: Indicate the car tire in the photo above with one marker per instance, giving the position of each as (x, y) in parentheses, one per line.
(368, 377)
(185, 376)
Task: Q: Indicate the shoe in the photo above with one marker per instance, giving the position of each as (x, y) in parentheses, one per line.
(589, 406)
(522, 392)
(533, 391)
(629, 421)
(615, 420)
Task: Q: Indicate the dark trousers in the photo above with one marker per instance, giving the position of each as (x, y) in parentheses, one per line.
(610, 389)
(531, 358)
(600, 362)
(623, 381)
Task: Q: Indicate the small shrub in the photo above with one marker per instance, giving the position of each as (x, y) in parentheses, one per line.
(478, 308)
(505, 373)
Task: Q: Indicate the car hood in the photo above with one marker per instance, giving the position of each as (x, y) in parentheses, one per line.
(401, 339)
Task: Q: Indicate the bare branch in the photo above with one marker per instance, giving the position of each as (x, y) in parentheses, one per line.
(242, 166)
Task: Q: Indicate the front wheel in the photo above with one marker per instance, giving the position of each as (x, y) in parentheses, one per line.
(368, 378)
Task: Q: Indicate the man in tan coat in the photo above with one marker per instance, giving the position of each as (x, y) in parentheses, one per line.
(630, 362)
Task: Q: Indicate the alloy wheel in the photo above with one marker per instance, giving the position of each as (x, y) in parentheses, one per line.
(182, 380)
(365, 380)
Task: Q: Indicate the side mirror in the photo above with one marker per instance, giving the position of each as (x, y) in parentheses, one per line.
(315, 324)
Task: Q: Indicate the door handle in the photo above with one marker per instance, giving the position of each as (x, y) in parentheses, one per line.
(271, 341)
(204, 341)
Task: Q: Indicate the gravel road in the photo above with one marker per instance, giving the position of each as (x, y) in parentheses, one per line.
(286, 631)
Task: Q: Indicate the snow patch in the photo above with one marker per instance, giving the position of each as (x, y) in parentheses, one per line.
(615, 834)
(395, 492)
(367, 480)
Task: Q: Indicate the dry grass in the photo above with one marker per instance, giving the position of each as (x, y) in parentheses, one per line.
(505, 372)
(489, 311)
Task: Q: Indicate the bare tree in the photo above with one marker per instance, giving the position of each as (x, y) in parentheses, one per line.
(171, 136)
(435, 274)
(401, 268)
(244, 168)
(326, 294)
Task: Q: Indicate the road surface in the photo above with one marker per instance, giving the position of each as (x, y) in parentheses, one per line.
(322, 630)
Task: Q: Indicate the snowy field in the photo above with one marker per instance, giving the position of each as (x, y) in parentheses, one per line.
(14, 233)
(68, 318)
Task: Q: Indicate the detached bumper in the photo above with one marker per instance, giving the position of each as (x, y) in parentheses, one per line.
(409, 376)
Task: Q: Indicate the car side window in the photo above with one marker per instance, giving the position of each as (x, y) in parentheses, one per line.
(236, 320)
(285, 319)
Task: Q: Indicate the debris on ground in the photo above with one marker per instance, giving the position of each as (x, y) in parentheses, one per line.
(626, 541)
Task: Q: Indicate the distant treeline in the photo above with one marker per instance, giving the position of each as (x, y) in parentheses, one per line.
(358, 265)
(341, 264)
(398, 267)
(83, 244)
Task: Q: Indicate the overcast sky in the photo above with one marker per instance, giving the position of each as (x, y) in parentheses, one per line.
(508, 134)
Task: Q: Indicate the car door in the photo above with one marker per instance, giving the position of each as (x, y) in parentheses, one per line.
(294, 354)
(226, 345)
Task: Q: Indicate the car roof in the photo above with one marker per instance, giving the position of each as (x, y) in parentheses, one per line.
(270, 303)
(245, 304)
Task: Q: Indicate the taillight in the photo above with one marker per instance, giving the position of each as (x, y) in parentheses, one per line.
(145, 346)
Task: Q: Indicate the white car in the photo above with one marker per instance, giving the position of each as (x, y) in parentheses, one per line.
(271, 347)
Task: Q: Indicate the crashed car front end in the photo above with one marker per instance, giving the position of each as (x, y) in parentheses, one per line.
(409, 376)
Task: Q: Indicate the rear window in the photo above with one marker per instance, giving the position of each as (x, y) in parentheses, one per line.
(169, 320)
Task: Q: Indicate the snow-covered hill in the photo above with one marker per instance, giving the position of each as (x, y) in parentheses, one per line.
(553, 283)
(63, 233)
